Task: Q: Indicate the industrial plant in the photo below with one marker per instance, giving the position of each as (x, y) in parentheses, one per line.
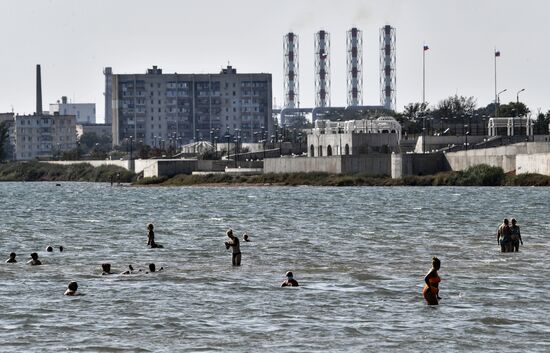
(292, 112)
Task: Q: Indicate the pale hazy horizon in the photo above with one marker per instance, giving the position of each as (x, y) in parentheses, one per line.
(74, 40)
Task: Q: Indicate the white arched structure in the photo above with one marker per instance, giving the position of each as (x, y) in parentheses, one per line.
(353, 137)
(510, 123)
(381, 125)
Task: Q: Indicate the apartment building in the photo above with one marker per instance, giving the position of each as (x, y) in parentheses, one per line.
(157, 108)
(43, 136)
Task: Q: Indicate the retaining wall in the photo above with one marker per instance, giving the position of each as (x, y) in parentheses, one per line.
(375, 164)
(417, 164)
(533, 163)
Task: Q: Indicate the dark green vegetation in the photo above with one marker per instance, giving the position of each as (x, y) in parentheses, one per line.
(481, 175)
(36, 171)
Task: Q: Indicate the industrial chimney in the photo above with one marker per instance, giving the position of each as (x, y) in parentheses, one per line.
(38, 91)
(291, 83)
(387, 67)
(355, 67)
(322, 69)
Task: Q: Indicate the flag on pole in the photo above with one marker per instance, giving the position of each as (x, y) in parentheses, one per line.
(426, 47)
(497, 53)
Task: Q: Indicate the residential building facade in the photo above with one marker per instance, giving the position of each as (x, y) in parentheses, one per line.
(43, 136)
(162, 109)
(98, 129)
(84, 112)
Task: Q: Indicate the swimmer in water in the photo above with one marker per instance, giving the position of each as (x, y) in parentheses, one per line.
(153, 268)
(60, 248)
(106, 269)
(233, 243)
(12, 259)
(49, 248)
(290, 281)
(432, 279)
(34, 260)
(246, 238)
(71, 289)
(130, 270)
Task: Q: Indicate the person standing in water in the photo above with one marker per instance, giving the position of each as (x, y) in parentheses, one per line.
(515, 236)
(233, 243)
(432, 279)
(150, 234)
(151, 237)
(504, 237)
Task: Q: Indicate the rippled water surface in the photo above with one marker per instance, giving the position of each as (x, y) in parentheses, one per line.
(360, 255)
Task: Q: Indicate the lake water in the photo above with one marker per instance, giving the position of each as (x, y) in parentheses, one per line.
(360, 255)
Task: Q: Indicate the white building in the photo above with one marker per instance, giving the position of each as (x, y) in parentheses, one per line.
(43, 136)
(84, 112)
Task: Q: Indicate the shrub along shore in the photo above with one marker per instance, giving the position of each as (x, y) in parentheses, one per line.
(37, 171)
(481, 175)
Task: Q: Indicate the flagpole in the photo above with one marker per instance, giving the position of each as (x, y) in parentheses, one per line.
(423, 97)
(496, 96)
(424, 48)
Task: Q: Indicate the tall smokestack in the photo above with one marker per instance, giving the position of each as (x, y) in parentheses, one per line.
(322, 69)
(38, 91)
(387, 67)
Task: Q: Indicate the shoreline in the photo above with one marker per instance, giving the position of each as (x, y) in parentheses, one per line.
(480, 175)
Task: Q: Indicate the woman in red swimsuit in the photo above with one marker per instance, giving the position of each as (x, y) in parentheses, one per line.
(432, 279)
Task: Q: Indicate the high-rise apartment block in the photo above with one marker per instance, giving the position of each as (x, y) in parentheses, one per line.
(152, 107)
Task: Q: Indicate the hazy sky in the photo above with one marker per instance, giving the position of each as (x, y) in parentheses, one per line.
(74, 39)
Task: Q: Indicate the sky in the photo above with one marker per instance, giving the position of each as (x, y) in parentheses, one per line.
(74, 40)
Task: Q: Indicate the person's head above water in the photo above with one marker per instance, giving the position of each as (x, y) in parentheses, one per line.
(49, 248)
(71, 288)
(245, 237)
(34, 256)
(514, 221)
(506, 221)
(289, 275)
(436, 263)
(229, 233)
(60, 248)
(106, 267)
(152, 267)
(12, 255)
(150, 226)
